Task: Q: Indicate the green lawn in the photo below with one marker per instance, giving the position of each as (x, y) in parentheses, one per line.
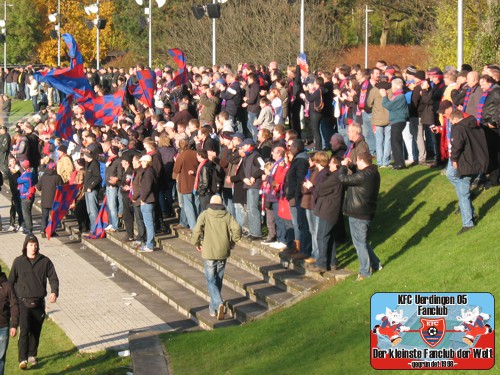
(20, 108)
(414, 234)
(58, 355)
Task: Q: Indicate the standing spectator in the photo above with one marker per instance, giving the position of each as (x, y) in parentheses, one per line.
(47, 185)
(314, 95)
(65, 165)
(252, 103)
(15, 206)
(380, 120)
(6, 108)
(91, 186)
(28, 276)
(112, 184)
(80, 207)
(33, 86)
(126, 185)
(358, 144)
(9, 317)
(27, 189)
(135, 196)
(469, 157)
(359, 205)
(398, 114)
(214, 235)
(5, 142)
(147, 189)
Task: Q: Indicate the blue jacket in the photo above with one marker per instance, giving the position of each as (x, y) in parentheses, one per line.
(398, 109)
(25, 185)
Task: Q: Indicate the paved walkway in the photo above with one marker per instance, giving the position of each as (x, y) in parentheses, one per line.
(93, 311)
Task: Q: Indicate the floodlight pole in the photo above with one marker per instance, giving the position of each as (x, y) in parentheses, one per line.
(214, 57)
(58, 32)
(302, 11)
(366, 35)
(460, 34)
(150, 59)
(98, 46)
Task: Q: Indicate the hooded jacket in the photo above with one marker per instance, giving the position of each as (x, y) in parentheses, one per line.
(47, 185)
(9, 308)
(29, 277)
(469, 148)
(215, 230)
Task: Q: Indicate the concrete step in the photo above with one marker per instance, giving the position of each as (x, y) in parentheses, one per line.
(238, 279)
(180, 269)
(190, 300)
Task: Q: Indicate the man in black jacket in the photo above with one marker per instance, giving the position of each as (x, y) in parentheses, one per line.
(360, 205)
(28, 276)
(294, 178)
(48, 185)
(468, 158)
(9, 316)
(91, 185)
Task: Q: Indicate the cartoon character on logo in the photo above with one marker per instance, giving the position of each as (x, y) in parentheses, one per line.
(473, 325)
(392, 325)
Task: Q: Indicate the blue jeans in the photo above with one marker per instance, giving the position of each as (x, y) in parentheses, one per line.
(366, 255)
(189, 207)
(149, 223)
(301, 229)
(92, 207)
(240, 215)
(368, 131)
(326, 130)
(280, 225)
(112, 203)
(312, 221)
(251, 128)
(383, 139)
(254, 215)
(4, 343)
(214, 274)
(326, 244)
(227, 196)
(462, 187)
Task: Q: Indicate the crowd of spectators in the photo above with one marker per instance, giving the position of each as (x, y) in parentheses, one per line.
(266, 139)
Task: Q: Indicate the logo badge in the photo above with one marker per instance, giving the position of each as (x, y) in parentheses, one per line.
(432, 330)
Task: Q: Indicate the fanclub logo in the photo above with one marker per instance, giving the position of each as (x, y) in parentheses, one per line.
(432, 330)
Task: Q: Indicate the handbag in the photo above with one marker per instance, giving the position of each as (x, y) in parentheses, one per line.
(284, 209)
(32, 302)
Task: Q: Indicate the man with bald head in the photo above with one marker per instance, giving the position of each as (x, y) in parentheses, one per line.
(473, 94)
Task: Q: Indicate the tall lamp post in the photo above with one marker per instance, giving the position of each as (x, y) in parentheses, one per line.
(302, 14)
(460, 34)
(366, 35)
(56, 17)
(99, 23)
(148, 12)
(213, 11)
(3, 25)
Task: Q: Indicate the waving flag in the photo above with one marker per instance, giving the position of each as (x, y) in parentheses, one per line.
(101, 222)
(63, 128)
(64, 197)
(68, 80)
(145, 89)
(103, 109)
(180, 59)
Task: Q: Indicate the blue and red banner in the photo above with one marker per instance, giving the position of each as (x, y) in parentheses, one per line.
(63, 128)
(103, 109)
(101, 222)
(180, 59)
(64, 197)
(145, 89)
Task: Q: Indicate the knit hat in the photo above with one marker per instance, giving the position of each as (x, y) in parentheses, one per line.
(216, 199)
(25, 164)
(434, 72)
(411, 70)
(420, 74)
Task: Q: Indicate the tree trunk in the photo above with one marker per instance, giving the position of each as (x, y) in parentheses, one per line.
(385, 30)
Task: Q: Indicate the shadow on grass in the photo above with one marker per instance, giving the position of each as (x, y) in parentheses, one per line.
(438, 216)
(392, 213)
(488, 205)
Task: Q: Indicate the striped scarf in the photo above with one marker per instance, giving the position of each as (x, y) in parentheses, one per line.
(198, 171)
(479, 111)
(395, 94)
(466, 100)
(363, 94)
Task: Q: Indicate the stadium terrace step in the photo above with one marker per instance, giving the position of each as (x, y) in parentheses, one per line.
(181, 298)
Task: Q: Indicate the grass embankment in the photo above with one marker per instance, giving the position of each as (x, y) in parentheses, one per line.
(20, 109)
(414, 234)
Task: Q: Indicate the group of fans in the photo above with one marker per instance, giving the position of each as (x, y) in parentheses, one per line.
(260, 137)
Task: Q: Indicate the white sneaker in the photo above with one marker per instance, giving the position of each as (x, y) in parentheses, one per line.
(109, 227)
(278, 245)
(11, 229)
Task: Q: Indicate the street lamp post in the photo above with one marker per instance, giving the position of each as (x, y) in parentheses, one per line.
(3, 25)
(214, 41)
(302, 11)
(94, 8)
(56, 17)
(366, 35)
(460, 34)
(149, 13)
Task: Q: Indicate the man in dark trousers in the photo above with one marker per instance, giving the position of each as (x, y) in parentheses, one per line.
(28, 276)
(48, 185)
(9, 317)
(468, 158)
(359, 205)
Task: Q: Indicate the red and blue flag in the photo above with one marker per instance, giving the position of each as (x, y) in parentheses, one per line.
(103, 109)
(69, 80)
(63, 128)
(145, 89)
(101, 222)
(180, 59)
(64, 197)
